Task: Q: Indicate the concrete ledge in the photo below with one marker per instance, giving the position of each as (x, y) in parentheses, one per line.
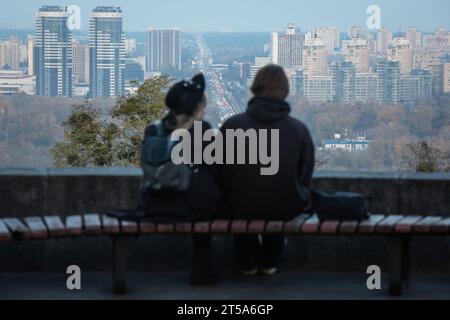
(81, 190)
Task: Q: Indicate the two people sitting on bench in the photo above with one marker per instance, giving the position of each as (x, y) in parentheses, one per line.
(231, 190)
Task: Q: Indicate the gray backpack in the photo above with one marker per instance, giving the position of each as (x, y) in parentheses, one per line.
(160, 173)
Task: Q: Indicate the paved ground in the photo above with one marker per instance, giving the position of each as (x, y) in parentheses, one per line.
(287, 285)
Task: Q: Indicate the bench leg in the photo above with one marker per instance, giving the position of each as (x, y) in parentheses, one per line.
(398, 264)
(119, 264)
(406, 253)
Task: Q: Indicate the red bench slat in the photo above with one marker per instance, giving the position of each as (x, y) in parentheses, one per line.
(294, 226)
(275, 227)
(129, 227)
(238, 226)
(17, 228)
(164, 228)
(388, 225)
(220, 226)
(147, 228)
(256, 226)
(368, 226)
(311, 225)
(348, 227)
(55, 226)
(329, 227)
(74, 225)
(424, 225)
(202, 227)
(405, 226)
(183, 227)
(110, 225)
(37, 227)
(5, 235)
(442, 226)
(92, 224)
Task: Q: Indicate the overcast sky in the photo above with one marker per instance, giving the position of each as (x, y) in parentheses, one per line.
(244, 15)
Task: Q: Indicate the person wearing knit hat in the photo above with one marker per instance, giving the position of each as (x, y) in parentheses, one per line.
(186, 102)
(184, 97)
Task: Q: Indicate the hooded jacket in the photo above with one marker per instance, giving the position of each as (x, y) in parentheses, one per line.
(251, 195)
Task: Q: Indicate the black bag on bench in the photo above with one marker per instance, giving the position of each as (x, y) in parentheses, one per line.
(341, 206)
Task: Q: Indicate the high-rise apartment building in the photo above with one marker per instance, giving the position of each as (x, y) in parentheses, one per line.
(81, 64)
(401, 51)
(357, 51)
(417, 85)
(10, 54)
(53, 52)
(286, 48)
(446, 77)
(344, 74)
(330, 37)
(107, 53)
(384, 40)
(414, 37)
(388, 81)
(164, 49)
(315, 57)
(31, 44)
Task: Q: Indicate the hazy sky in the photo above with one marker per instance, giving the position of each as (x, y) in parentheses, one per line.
(245, 15)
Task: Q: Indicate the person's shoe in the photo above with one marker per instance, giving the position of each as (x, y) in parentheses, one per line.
(268, 271)
(250, 273)
(203, 272)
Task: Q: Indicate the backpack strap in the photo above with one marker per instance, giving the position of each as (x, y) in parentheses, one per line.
(159, 126)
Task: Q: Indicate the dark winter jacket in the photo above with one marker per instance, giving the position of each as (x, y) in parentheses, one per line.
(203, 202)
(254, 196)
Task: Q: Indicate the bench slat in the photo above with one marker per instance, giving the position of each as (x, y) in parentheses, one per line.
(74, 225)
(424, 225)
(348, 227)
(256, 226)
(405, 226)
(37, 227)
(5, 235)
(147, 228)
(220, 226)
(329, 227)
(129, 227)
(110, 225)
(442, 226)
(164, 228)
(202, 227)
(55, 226)
(238, 226)
(368, 226)
(17, 228)
(185, 227)
(388, 224)
(311, 225)
(294, 226)
(275, 227)
(92, 224)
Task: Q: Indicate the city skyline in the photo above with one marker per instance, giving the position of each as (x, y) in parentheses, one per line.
(251, 15)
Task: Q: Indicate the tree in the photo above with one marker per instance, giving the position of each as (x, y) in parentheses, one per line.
(427, 159)
(114, 141)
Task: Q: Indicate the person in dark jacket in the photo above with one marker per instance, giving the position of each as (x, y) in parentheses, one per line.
(203, 201)
(253, 196)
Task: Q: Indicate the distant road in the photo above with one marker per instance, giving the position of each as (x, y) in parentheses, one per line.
(223, 99)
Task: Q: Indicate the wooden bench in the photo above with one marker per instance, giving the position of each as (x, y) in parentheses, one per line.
(397, 229)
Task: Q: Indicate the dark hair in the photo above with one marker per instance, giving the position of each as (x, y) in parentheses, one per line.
(272, 82)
